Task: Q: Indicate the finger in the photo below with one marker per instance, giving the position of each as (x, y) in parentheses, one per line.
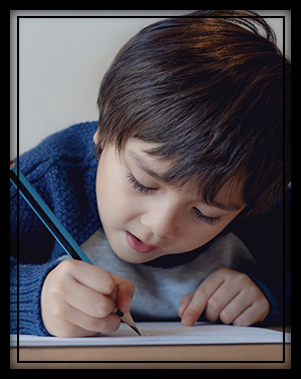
(87, 300)
(245, 318)
(93, 324)
(234, 308)
(69, 322)
(194, 308)
(97, 325)
(184, 301)
(254, 313)
(68, 330)
(93, 277)
(200, 298)
(126, 290)
(225, 293)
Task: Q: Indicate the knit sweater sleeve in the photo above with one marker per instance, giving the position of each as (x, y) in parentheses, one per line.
(29, 278)
(38, 255)
(62, 169)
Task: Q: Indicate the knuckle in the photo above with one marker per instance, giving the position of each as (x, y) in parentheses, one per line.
(211, 312)
(223, 270)
(109, 324)
(186, 297)
(212, 303)
(202, 292)
(211, 316)
(57, 288)
(254, 293)
(131, 288)
(193, 311)
(67, 266)
(98, 310)
(104, 308)
(107, 281)
(242, 279)
(225, 316)
(109, 285)
(57, 312)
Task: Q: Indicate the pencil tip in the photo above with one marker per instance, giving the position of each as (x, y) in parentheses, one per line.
(136, 330)
(127, 318)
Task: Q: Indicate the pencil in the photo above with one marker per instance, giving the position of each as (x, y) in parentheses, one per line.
(55, 227)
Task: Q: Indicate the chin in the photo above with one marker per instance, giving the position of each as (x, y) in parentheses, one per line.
(133, 257)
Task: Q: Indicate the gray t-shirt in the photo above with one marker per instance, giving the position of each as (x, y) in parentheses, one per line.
(158, 290)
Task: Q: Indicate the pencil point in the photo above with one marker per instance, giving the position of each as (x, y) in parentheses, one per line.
(127, 318)
(136, 330)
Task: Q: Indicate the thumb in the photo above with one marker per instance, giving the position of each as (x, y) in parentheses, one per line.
(125, 292)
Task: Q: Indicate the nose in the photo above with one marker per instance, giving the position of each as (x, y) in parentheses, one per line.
(161, 222)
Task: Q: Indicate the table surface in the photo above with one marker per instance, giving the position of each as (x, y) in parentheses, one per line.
(243, 356)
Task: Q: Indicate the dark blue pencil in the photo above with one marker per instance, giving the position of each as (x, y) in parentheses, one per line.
(55, 227)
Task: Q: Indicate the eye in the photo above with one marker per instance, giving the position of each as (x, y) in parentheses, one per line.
(209, 220)
(138, 186)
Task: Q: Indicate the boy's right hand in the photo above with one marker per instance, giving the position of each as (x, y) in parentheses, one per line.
(79, 299)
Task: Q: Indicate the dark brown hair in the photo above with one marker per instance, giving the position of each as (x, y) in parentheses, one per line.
(208, 88)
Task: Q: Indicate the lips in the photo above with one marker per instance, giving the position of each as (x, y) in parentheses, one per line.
(137, 245)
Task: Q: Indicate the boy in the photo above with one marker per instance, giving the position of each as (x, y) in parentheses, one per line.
(186, 209)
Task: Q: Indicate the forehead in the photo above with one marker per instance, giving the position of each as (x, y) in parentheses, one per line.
(137, 151)
(229, 198)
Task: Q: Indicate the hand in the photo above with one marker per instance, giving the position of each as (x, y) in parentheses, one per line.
(79, 299)
(226, 294)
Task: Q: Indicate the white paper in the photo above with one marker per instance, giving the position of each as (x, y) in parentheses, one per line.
(163, 333)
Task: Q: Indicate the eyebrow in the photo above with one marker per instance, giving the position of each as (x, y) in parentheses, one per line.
(144, 167)
(226, 207)
(231, 207)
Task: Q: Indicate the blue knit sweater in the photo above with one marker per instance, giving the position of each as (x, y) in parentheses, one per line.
(62, 169)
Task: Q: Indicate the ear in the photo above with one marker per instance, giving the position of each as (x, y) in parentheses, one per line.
(95, 137)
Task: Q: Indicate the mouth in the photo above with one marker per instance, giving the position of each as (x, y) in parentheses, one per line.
(137, 245)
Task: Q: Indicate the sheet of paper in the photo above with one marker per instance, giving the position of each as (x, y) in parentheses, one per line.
(164, 333)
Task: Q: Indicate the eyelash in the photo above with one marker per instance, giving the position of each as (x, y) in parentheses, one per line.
(138, 186)
(209, 220)
(146, 190)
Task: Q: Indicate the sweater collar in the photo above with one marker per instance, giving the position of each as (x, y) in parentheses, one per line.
(173, 260)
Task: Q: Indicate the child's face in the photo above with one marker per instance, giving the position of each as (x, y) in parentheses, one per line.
(144, 218)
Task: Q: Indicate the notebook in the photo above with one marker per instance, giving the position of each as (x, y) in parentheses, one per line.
(164, 333)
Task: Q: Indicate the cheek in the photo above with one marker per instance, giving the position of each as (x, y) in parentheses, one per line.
(115, 203)
(194, 236)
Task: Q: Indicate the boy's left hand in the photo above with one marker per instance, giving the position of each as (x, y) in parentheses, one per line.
(228, 295)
